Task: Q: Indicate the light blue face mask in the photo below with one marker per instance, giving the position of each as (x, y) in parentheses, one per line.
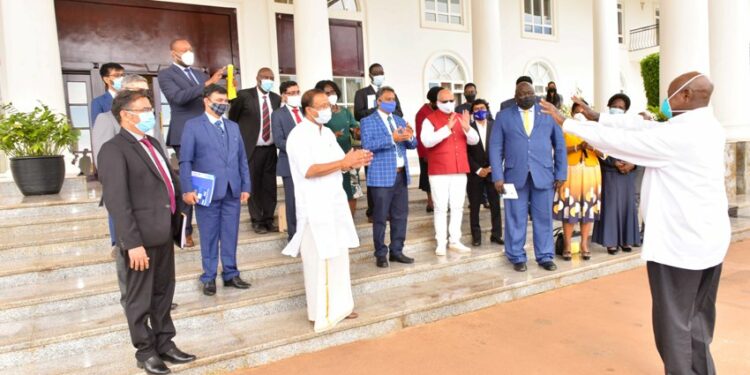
(146, 122)
(616, 111)
(378, 80)
(117, 83)
(266, 84)
(666, 108)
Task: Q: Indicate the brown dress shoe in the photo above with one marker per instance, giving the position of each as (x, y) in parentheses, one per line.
(353, 315)
(189, 240)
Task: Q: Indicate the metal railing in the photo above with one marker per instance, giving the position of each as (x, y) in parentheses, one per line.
(644, 37)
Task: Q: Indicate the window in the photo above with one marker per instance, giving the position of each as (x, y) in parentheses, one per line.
(348, 86)
(446, 72)
(344, 5)
(284, 1)
(537, 17)
(541, 74)
(657, 15)
(620, 34)
(443, 11)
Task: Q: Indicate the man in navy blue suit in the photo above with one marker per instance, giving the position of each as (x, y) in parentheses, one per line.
(213, 145)
(183, 87)
(112, 74)
(388, 137)
(283, 122)
(521, 153)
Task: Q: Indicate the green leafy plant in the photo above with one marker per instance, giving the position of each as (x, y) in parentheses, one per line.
(657, 113)
(650, 74)
(40, 132)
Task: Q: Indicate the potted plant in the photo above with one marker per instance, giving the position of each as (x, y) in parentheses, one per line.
(34, 141)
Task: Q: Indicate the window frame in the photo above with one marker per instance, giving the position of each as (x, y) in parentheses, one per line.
(535, 35)
(551, 74)
(456, 90)
(426, 24)
(620, 23)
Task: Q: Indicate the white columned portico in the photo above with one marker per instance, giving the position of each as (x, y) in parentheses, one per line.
(683, 40)
(312, 43)
(729, 36)
(31, 67)
(606, 52)
(487, 51)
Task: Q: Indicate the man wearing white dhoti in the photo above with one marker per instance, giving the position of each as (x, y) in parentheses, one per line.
(325, 229)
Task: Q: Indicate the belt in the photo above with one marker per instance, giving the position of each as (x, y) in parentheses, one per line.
(265, 146)
(399, 169)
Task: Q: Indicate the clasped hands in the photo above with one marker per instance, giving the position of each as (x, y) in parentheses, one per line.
(357, 159)
(463, 119)
(403, 134)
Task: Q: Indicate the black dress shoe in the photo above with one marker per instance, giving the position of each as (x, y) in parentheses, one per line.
(174, 306)
(476, 242)
(176, 356)
(272, 228)
(519, 267)
(260, 229)
(549, 266)
(381, 262)
(154, 365)
(497, 240)
(429, 209)
(401, 258)
(209, 288)
(626, 249)
(237, 282)
(612, 250)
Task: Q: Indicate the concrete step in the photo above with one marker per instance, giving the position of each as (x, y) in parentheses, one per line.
(269, 295)
(236, 341)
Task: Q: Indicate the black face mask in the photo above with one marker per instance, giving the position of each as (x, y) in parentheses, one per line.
(526, 102)
(470, 98)
(552, 91)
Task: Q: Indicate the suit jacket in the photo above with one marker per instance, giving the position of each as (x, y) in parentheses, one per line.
(479, 155)
(185, 98)
(101, 104)
(245, 111)
(362, 108)
(377, 138)
(106, 127)
(203, 149)
(135, 195)
(282, 124)
(513, 154)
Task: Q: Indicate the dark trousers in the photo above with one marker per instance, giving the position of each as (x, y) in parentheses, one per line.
(148, 300)
(394, 202)
(370, 202)
(683, 314)
(188, 208)
(262, 202)
(476, 188)
(219, 223)
(291, 211)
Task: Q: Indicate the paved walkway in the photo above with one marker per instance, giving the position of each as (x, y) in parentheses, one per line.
(599, 327)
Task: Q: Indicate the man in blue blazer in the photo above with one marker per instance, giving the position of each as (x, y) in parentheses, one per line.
(183, 87)
(388, 137)
(213, 145)
(283, 122)
(112, 74)
(521, 153)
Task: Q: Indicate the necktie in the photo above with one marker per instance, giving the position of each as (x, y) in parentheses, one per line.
(526, 122)
(220, 125)
(295, 110)
(393, 131)
(191, 76)
(163, 173)
(266, 121)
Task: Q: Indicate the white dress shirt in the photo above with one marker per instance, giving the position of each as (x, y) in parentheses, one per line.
(190, 75)
(261, 142)
(161, 161)
(684, 199)
(531, 117)
(430, 138)
(482, 130)
(400, 162)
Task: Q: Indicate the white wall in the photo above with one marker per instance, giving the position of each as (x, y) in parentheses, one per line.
(635, 16)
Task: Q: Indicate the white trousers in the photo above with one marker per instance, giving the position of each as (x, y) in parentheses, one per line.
(448, 190)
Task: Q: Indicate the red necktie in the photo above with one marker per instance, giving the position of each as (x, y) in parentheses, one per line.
(163, 173)
(266, 121)
(296, 115)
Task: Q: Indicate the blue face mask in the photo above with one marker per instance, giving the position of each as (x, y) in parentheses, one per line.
(480, 115)
(266, 84)
(117, 83)
(146, 122)
(666, 108)
(388, 107)
(378, 80)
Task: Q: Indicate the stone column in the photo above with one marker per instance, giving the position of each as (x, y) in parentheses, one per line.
(312, 43)
(606, 52)
(683, 43)
(485, 41)
(31, 55)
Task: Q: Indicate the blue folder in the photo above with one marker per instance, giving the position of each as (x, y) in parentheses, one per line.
(203, 185)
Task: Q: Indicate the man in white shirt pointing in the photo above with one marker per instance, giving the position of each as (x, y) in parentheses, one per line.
(684, 207)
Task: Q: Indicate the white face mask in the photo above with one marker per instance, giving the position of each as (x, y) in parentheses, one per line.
(294, 100)
(324, 115)
(580, 117)
(616, 111)
(447, 108)
(378, 80)
(333, 99)
(188, 58)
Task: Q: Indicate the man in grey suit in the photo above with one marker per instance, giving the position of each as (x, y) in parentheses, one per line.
(183, 85)
(283, 122)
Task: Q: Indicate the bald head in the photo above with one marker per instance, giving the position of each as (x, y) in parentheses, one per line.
(445, 95)
(689, 91)
(179, 47)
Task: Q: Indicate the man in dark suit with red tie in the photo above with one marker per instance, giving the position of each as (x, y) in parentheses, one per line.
(183, 85)
(140, 192)
(283, 122)
(252, 109)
